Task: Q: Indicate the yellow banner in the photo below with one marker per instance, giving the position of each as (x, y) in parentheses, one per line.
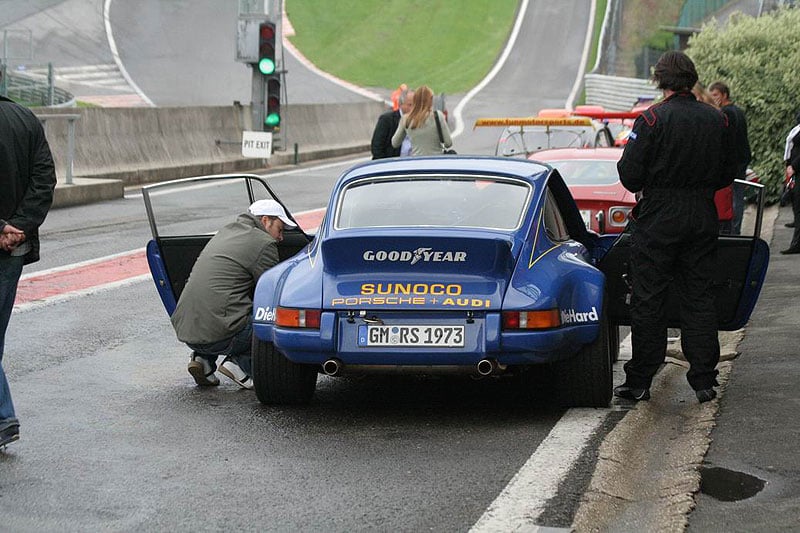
(533, 121)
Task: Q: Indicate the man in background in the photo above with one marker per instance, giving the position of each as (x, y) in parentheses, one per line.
(791, 158)
(27, 181)
(721, 94)
(387, 124)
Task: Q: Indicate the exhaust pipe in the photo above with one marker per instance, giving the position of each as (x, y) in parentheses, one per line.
(332, 367)
(487, 367)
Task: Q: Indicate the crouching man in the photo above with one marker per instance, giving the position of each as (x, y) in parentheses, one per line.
(214, 312)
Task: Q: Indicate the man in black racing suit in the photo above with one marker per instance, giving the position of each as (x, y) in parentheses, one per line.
(677, 155)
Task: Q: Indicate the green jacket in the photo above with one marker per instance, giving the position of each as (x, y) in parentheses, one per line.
(218, 298)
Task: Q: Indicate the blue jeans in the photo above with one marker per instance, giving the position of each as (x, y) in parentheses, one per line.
(237, 347)
(10, 271)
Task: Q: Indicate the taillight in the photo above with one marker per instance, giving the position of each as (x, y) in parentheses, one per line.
(549, 318)
(297, 318)
(618, 216)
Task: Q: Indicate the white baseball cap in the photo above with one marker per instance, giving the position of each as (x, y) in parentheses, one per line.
(262, 208)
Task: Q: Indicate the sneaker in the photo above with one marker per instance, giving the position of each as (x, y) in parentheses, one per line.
(202, 371)
(9, 431)
(705, 395)
(234, 371)
(629, 393)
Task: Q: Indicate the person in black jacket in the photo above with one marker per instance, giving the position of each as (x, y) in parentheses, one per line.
(741, 146)
(677, 156)
(387, 124)
(792, 161)
(27, 181)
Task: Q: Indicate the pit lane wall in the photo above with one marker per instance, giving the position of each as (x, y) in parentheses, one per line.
(120, 147)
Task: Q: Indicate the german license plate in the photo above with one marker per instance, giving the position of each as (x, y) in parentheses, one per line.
(586, 215)
(411, 335)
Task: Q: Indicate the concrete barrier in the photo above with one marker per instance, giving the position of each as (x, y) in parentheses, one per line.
(121, 147)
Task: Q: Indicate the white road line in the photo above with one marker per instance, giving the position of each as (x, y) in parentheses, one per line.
(115, 53)
(80, 264)
(103, 67)
(519, 505)
(523, 500)
(492, 73)
(504, 56)
(584, 58)
(90, 76)
(348, 162)
(50, 300)
(330, 77)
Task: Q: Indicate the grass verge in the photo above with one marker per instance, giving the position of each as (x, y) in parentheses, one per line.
(449, 46)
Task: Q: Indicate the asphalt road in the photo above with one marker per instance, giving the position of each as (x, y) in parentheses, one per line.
(81, 233)
(182, 53)
(176, 52)
(116, 436)
(539, 72)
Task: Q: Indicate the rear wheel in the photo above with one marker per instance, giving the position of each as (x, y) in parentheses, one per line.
(585, 380)
(279, 381)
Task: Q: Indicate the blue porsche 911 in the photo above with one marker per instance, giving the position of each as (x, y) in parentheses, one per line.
(442, 264)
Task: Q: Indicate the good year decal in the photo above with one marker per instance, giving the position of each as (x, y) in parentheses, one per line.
(413, 257)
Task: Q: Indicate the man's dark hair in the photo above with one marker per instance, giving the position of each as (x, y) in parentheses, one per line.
(721, 87)
(674, 71)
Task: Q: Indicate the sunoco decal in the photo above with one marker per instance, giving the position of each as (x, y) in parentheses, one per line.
(413, 257)
(570, 316)
(413, 294)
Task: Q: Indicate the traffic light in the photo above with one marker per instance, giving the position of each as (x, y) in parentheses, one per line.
(272, 115)
(267, 65)
(266, 48)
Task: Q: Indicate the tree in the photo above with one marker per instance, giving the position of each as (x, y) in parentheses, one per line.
(757, 58)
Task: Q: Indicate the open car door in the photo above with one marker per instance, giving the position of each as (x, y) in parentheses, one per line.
(184, 214)
(742, 265)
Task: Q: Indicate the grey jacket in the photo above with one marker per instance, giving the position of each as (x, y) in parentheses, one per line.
(218, 298)
(425, 139)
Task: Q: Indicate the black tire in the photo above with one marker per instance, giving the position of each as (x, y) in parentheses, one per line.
(585, 380)
(279, 381)
(613, 342)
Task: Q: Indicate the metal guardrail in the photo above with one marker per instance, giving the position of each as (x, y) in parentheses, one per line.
(616, 93)
(34, 92)
(71, 119)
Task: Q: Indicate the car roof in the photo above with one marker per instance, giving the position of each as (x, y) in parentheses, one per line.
(560, 154)
(520, 168)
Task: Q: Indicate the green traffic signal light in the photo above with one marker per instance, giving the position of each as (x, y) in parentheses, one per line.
(266, 66)
(272, 120)
(272, 111)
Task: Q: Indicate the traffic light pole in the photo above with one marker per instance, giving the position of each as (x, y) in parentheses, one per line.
(258, 44)
(257, 98)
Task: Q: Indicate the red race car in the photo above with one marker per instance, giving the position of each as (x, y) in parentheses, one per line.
(592, 178)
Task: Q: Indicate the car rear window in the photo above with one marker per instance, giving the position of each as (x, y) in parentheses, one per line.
(587, 172)
(472, 202)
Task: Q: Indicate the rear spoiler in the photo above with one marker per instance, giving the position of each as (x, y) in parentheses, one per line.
(578, 118)
(600, 115)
